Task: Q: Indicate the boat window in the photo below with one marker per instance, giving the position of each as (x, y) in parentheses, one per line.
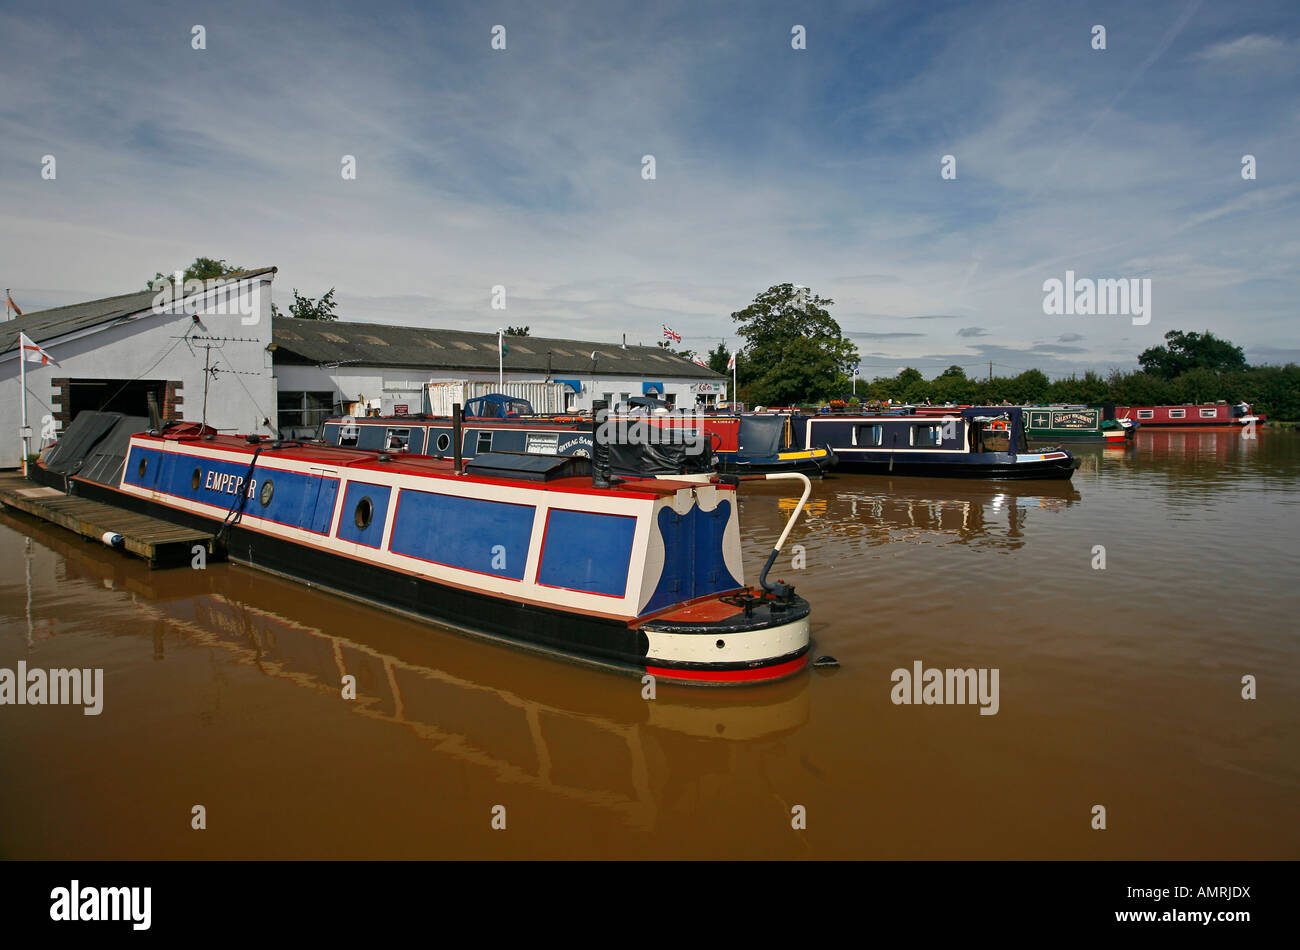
(1146, 413)
(266, 492)
(348, 435)
(1209, 413)
(365, 511)
(144, 465)
(869, 434)
(444, 442)
(397, 440)
(484, 442)
(926, 436)
(196, 479)
(1177, 413)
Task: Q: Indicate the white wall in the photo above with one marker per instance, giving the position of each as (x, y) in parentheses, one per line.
(148, 346)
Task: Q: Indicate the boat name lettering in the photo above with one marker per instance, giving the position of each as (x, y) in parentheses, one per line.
(228, 484)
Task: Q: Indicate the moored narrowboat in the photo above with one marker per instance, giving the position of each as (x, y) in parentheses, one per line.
(552, 554)
(965, 444)
(1190, 416)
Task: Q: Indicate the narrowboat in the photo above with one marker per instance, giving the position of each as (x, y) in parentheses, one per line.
(964, 444)
(552, 554)
(657, 444)
(1189, 416)
(1058, 423)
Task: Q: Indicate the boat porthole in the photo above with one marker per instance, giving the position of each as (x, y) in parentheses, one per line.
(444, 441)
(721, 644)
(196, 479)
(144, 464)
(365, 511)
(266, 492)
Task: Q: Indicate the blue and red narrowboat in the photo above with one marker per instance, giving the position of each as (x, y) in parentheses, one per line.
(550, 553)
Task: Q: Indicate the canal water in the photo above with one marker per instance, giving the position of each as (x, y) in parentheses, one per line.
(1118, 686)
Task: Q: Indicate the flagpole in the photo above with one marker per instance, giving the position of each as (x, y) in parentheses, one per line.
(735, 392)
(22, 386)
(501, 362)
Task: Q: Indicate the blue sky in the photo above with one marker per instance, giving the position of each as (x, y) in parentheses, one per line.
(821, 166)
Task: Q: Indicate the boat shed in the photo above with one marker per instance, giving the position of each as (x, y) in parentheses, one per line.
(335, 367)
(117, 353)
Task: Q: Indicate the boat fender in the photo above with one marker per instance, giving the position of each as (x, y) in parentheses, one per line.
(112, 539)
(826, 663)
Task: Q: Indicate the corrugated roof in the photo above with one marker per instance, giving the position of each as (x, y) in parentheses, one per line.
(328, 342)
(49, 324)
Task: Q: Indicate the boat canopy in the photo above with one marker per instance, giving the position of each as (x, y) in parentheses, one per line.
(760, 436)
(497, 406)
(1013, 414)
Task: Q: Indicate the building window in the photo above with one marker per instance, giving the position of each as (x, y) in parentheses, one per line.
(301, 413)
(1209, 413)
(926, 436)
(1177, 413)
(1146, 413)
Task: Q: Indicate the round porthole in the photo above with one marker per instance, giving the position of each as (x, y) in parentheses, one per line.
(444, 441)
(144, 464)
(721, 644)
(266, 492)
(196, 479)
(365, 511)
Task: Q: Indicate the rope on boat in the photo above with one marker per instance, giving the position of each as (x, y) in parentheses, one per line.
(236, 512)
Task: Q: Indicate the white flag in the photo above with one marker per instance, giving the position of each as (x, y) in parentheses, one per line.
(731, 363)
(33, 353)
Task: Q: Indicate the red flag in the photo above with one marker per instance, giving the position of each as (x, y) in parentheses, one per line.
(9, 302)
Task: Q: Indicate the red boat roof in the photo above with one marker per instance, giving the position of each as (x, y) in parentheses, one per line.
(420, 465)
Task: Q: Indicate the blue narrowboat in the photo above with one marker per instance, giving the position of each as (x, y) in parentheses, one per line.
(977, 442)
(551, 553)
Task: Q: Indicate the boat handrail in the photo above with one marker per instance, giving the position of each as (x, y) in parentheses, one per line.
(780, 589)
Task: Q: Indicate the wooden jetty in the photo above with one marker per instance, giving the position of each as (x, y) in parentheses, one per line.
(161, 543)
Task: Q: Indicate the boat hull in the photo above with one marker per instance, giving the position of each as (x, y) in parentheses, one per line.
(997, 467)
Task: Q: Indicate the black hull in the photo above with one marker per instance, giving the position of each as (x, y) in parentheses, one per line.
(809, 467)
(1060, 469)
(608, 644)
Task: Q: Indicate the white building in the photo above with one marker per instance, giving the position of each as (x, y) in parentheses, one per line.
(115, 353)
(217, 354)
(327, 367)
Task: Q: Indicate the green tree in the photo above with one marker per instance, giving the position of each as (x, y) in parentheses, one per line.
(794, 349)
(203, 268)
(516, 331)
(1187, 351)
(305, 308)
(719, 358)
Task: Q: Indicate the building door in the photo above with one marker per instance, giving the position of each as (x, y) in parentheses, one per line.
(127, 396)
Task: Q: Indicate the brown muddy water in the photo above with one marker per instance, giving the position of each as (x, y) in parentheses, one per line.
(1119, 687)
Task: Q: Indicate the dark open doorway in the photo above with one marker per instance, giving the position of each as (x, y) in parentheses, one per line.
(130, 397)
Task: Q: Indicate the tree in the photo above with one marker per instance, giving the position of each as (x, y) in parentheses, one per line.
(685, 354)
(795, 351)
(203, 268)
(719, 358)
(516, 331)
(1187, 351)
(305, 308)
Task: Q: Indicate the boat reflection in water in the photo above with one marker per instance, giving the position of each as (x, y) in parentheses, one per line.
(877, 511)
(481, 704)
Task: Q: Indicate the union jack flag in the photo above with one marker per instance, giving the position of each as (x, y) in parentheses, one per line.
(671, 334)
